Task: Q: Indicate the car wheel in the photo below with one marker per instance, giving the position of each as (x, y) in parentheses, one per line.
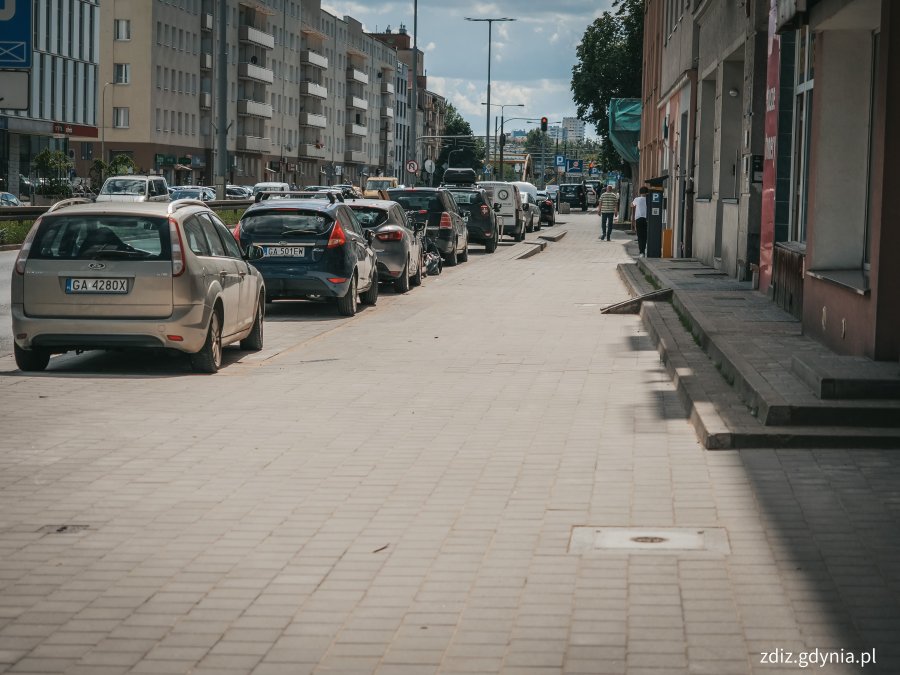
(520, 233)
(464, 256)
(416, 279)
(490, 245)
(537, 228)
(451, 259)
(347, 303)
(401, 284)
(209, 358)
(370, 297)
(31, 360)
(254, 340)
(584, 208)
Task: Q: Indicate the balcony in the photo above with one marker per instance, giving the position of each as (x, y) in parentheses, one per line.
(205, 100)
(254, 144)
(387, 87)
(254, 108)
(310, 150)
(313, 89)
(357, 103)
(387, 134)
(354, 75)
(312, 58)
(206, 62)
(355, 156)
(355, 130)
(206, 22)
(313, 120)
(387, 111)
(250, 71)
(254, 36)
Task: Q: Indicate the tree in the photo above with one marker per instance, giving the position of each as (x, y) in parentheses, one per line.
(468, 152)
(609, 66)
(52, 167)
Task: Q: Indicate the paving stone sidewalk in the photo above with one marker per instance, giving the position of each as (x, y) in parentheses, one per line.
(396, 494)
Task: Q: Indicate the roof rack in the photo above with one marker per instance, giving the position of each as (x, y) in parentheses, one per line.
(268, 194)
(63, 203)
(182, 203)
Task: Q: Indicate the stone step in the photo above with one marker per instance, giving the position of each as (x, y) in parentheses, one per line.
(848, 377)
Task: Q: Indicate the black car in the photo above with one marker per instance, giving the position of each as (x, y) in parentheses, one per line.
(548, 208)
(575, 194)
(312, 248)
(445, 225)
(481, 220)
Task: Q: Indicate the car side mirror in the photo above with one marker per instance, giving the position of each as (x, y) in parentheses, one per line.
(419, 228)
(253, 252)
(370, 236)
(497, 207)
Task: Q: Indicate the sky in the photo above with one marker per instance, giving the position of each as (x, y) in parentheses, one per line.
(532, 57)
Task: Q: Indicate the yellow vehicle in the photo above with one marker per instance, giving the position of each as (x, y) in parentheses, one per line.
(376, 183)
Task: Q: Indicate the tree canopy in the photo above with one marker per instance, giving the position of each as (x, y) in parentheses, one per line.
(609, 66)
(467, 152)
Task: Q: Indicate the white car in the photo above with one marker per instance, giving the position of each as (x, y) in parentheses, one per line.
(132, 188)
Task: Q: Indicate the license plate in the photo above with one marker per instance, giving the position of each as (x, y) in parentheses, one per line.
(83, 285)
(284, 251)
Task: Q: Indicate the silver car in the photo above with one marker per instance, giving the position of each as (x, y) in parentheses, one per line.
(150, 275)
(398, 243)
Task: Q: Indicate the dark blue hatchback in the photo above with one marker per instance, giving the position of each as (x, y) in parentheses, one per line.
(311, 249)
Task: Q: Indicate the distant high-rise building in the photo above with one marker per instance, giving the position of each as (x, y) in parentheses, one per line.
(574, 129)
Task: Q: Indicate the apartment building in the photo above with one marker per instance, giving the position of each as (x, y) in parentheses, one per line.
(65, 59)
(574, 129)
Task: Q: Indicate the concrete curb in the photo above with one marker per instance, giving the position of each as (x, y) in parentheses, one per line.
(10, 247)
(538, 246)
(556, 236)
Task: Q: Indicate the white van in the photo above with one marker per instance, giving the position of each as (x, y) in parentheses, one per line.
(271, 187)
(507, 195)
(134, 189)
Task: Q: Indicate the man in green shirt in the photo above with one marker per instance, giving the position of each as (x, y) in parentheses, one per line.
(607, 206)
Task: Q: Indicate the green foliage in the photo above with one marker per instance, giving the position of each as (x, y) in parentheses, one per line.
(120, 165)
(52, 167)
(609, 66)
(467, 152)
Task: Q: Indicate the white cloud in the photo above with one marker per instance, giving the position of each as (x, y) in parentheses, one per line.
(430, 47)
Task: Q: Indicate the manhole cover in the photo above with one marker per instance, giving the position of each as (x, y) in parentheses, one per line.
(649, 540)
(62, 529)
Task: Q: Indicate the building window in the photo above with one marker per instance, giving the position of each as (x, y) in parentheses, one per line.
(123, 29)
(158, 120)
(803, 101)
(120, 118)
(122, 73)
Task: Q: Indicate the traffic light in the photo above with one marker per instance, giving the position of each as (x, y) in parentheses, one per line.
(543, 124)
(502, 140)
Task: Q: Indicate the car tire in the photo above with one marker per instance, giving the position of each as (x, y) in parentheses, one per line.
(31, 360)
(254, 340)
(584, 208)
(537, 228)
(490, 245)
(416, 279)
(520, 234)
(209, 359)
(451, 259)
(370, 296)
(347, 303)
(464, 256)
(401, 284)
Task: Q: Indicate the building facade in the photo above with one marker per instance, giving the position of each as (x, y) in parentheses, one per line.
(574, 129)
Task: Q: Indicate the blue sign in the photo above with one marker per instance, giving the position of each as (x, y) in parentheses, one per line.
(15, 34)
(559, 160)
(574, 165)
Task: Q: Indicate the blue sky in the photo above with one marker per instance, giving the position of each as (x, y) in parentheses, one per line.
(532, 57)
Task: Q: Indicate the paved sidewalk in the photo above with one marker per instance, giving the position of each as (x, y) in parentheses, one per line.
(397, 494)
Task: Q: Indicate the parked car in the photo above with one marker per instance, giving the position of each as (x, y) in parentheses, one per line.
(270, 186)
(376, 183)
(150, 275)
(531, 212)
(575, 194)
(592, 196)
(547, 208)
(201, 193)
(511, 213)
(399, 244)
(444, 223)
(480, 215)
(133, 188)
(238, 192)
(9, 199)
(312, 248)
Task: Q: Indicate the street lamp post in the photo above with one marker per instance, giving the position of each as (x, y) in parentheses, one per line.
(502, 107)
(487, 130)
(103, 123)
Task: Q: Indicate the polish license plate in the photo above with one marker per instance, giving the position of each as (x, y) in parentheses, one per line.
(86, 285)
(284, 251)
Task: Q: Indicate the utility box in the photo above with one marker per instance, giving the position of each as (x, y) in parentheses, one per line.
(565, 207)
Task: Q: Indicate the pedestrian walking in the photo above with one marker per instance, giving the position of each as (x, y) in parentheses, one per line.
(607, 206)
(639, 218)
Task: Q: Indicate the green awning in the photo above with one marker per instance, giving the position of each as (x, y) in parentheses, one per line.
(625, 127)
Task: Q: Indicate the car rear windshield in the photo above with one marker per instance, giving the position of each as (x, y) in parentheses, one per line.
(379, 185)
(414, 200)
(369, 217)
(124, 186)
(465, 198)
(187, 194)
(96, 237)
(569, 189)
(284, 222)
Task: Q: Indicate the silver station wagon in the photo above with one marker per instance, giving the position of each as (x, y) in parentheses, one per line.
(149, 275)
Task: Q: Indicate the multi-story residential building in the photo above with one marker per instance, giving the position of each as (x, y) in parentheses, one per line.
(574, 129)
(64, 89)
(401, 117)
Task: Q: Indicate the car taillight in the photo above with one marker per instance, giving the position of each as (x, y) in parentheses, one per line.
(22, 258)
(485, 210)
(337, 238)
(395, 235)
(237, 233)
(446, 223)
(177, 248)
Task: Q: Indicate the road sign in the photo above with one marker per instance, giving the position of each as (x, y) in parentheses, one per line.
(574, 165)
(412, 166)
(559, 160)
(15, 34)
(429, 166)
